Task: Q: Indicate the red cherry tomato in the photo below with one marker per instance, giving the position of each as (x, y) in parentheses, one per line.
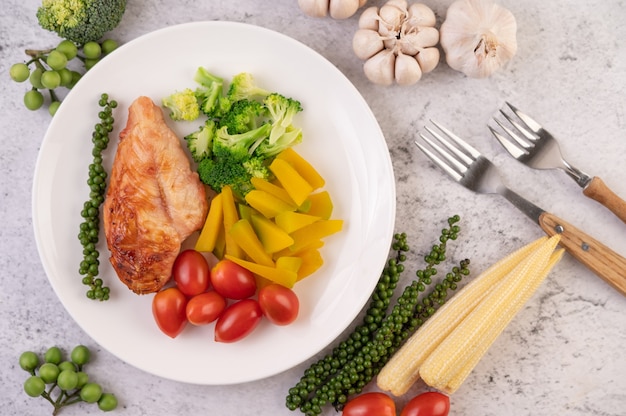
(205, 308)
(191, 272)
(370, 404)
(279, 304)
(430, 403)
(238, 320)
(168, 309)
(233, 281)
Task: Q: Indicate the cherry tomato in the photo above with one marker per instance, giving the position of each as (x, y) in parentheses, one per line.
(205, 308)
(279, 304)
(233, 281)
(431, 403)
(238, 320)
(191, 272)
(168, 308)
(370, 404)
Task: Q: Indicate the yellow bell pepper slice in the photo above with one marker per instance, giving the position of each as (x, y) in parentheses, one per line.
(231, 216)
(267, 204)
(291, 221)
(303, 167)
(245, 237)
(316, 231)
(311, 261)
(271, 235)
(289, 263)
(272, 189)
(320, 205)
(295, 185)
(283, 277)
(212, 225)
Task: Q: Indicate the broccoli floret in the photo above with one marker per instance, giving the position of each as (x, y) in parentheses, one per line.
(200, 142)
(290, 137)
(183, 105)
(80, 21)
(226, 169)
(244, 115)
(282, 111)
(239, 146)
(242, 86)
(210, 93)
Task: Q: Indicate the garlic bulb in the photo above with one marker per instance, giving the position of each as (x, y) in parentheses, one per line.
(397, 42)
(338, 9)
(478, 37)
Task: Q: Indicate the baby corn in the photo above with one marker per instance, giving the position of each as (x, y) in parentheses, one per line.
(495, 286)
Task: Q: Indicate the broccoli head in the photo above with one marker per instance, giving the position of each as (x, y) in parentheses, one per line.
(223, 169)
(281, 110)
(239, 146)
(243, 86)
(200, 142)
(290, 137)
(210, 93)
(244, 115)
(183, 105)
(80, 21)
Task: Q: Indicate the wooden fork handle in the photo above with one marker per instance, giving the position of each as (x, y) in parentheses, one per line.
(600, 259)
(597, 190)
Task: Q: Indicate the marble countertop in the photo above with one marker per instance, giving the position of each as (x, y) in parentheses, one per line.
(563, 354)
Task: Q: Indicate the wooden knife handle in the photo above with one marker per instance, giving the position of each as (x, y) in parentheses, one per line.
(597, 190)
(600, 259)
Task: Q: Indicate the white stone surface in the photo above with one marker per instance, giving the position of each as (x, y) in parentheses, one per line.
(562, 355)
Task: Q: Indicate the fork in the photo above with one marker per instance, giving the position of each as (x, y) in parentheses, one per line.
(534, 146)
(474, 171)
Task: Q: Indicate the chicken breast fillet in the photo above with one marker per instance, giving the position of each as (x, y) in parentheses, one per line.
(154, 200)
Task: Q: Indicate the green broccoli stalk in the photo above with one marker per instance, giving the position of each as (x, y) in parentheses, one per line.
(240, 146)
(80, 21)
(183, 105)
(200, 142)
(282, 111)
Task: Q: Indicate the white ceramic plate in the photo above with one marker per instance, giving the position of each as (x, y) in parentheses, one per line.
(341, 138)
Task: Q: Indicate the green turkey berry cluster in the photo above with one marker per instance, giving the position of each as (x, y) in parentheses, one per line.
(62, 381)
(355, 361)
(90, 227)
(50, 70)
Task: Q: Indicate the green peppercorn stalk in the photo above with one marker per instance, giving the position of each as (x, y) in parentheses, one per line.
(90, 227)
(356, 361)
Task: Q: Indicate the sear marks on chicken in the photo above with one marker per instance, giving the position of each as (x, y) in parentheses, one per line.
(154, 200)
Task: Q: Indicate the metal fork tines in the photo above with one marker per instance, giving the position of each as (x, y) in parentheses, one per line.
(467, 166)
(527, 141)
(470, 168)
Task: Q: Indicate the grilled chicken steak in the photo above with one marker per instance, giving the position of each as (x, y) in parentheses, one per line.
(154, 200)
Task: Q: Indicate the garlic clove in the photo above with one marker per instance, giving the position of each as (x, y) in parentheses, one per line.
(407, 70)
(380, 68)
(478, 37)
(314, 8)
(342, 9)
(369, 18)
(421, 15)
(428, 59)
(414, 41)
(366, 43)
(392, 14)
(362, 3)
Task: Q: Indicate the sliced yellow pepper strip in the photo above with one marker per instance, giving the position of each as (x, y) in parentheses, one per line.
(295, 185)
(316, 231)
(267, 204)
(320, 205)
(231, 216)
(303, 167)
(284, 277)
(246, 238)
(211, 229)
(291, 221)
(271, 235)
